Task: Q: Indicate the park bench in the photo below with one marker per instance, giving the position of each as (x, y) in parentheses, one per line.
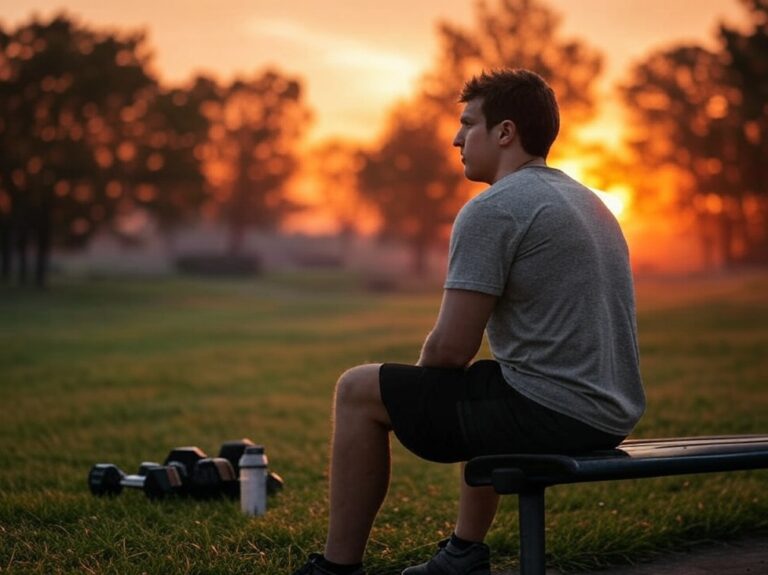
(528, 475)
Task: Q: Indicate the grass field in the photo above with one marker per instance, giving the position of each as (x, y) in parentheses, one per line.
(122, 371)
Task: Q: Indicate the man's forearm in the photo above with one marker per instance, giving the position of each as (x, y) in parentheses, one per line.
(435, 353)
(458, 331)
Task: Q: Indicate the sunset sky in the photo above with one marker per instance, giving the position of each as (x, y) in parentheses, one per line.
(358, 57)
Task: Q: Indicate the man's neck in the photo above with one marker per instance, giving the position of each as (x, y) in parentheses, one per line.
(518, 164)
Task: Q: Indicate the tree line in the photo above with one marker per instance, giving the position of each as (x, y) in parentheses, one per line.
(699, 122)
(88, 135)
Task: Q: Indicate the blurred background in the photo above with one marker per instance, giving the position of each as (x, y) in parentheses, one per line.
(241, 137)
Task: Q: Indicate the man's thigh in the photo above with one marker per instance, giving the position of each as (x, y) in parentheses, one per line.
(424, 406)
(450, 415)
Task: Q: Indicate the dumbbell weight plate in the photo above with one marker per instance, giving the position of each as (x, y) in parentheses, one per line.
(214, 477)
(233, 450)
(185, 459)
(274, 483)
(146, 466)
(104, 479)
(162, 481)
(187, 456)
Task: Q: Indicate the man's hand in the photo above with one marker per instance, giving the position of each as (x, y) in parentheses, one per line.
(458, 332)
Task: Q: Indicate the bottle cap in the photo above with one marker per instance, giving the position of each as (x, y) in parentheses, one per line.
(254, 450)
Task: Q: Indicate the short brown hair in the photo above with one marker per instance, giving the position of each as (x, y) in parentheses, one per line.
(523, 97)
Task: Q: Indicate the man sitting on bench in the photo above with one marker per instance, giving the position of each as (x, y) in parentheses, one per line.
(539, 263)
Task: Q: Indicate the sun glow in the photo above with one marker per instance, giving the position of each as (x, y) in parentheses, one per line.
(365, 76)
(617, 197)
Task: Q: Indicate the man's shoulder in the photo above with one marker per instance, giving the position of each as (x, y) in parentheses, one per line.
(519, 191)
(521, 196)
(486, 205)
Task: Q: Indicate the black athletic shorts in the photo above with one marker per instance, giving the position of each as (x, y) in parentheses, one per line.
(449, 415)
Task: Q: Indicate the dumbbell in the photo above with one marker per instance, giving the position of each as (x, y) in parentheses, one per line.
(233, 450)
(214, 477)
(186, 471)
(157, 481)
(109, 479)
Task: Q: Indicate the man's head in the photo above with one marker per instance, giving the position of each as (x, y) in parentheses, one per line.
(524, 98)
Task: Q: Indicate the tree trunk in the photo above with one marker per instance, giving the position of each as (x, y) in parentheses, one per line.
(5, 249)
(22, 244)
(43, 229)
(754, 236)
(707, 243)
(726, 240)
(419, 253)
(235, 239)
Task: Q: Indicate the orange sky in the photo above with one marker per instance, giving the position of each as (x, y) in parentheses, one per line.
(357, 57)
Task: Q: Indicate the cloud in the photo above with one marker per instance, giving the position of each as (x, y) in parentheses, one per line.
(335, 50)
(351, 81)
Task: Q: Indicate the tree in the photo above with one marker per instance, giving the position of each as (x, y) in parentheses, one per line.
(88, 138)
(676, 98)
(408, 177)
(168, 134)
(518, 34)
(335, 165)
(746, 57)
(412, 176)
(699, 120)
(252, 151)
(61, 88)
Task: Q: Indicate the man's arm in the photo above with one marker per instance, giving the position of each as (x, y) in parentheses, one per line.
(458, 332)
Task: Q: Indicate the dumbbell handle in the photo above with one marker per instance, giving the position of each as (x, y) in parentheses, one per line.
(107, 479)
(133, 481)
(138, 481)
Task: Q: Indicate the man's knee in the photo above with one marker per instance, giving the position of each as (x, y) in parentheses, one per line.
(358, 389)
(358, 385)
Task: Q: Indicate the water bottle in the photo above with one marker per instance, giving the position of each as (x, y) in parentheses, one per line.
(253, 481)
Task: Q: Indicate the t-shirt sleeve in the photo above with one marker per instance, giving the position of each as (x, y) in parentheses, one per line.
(481, 249)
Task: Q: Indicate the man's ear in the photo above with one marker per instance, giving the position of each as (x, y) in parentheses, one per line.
(507, 132)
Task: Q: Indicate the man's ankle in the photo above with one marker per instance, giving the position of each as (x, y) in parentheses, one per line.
(339, 568)
(460, 543)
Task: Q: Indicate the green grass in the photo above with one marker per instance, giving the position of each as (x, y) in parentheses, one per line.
(122, 371)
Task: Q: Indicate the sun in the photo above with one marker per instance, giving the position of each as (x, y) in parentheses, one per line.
(616, 197)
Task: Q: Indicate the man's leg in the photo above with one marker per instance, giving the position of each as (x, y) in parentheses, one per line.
(465, 553)
(360, 462)
(477, 508)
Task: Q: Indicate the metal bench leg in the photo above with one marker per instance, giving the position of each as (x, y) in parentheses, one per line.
(532, 541)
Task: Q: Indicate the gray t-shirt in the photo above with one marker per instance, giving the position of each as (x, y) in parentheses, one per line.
(564, 327)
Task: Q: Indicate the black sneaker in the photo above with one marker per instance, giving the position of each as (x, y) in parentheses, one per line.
(450, 560)
(312, 567)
